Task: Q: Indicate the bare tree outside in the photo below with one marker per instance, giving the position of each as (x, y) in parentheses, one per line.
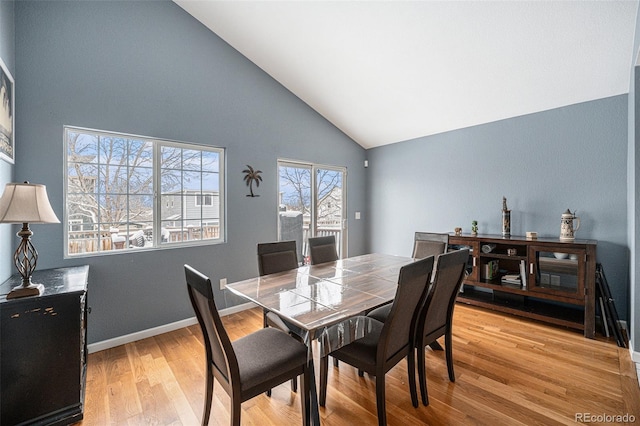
(298, 195)
(295, 184)
(110, 186)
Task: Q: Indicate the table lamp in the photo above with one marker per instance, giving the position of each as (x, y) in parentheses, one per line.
(26, 203)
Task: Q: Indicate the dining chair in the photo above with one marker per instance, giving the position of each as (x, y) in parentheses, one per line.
(427, 244)
(436, 318)
(386, 344)
(277, 257)
(250, 365)
(322, 249)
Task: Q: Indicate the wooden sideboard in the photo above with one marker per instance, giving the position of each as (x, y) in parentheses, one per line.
(43, 354)
(559, 278)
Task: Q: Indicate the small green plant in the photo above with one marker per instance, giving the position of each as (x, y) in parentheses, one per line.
(474, 226)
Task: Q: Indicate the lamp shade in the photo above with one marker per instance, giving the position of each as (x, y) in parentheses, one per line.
(26, 203)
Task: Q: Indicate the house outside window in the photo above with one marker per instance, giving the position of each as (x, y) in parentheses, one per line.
(204, 200)
(126, 192)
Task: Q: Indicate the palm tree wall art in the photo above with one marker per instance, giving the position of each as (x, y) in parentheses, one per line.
(251, 176)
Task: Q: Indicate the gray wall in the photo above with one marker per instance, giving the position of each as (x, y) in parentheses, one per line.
(149, 68)
(573, 157)
(7, 232)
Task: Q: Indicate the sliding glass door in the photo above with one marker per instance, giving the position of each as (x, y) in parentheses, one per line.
(312, 202)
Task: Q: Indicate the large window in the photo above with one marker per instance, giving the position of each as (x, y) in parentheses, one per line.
(126, 192)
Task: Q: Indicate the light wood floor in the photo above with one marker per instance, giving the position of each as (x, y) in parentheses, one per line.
(509, 371)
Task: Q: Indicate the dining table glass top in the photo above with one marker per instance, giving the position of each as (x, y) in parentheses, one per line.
(314, 297)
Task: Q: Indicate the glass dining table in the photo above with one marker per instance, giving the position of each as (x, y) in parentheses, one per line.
(326, 302)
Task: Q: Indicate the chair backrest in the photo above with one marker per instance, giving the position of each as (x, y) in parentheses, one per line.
(277, 257)
(217, 343)
(427, 244)
(398, 330)
(438, 307)
(323, 249)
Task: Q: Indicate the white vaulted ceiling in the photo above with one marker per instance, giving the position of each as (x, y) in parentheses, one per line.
(389, 71)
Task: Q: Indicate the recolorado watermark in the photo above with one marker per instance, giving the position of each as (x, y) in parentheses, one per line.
(604, 418)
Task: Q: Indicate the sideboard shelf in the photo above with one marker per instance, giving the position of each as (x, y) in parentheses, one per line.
(566, 316)
(558, 285)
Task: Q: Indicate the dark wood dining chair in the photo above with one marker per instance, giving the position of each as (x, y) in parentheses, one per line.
(250, 365)
(436, 318)
(277, 257)
(386, 344)
(322, 249)
(427, 244)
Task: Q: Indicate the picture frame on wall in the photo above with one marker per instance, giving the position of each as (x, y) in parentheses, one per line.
(7, 114)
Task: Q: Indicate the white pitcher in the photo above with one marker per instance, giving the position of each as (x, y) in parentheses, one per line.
(567, 231)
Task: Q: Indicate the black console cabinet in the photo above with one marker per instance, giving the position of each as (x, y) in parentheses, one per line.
(43, 350)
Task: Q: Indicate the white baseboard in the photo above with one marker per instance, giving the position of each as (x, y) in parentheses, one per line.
(635, 356)
(139, 335)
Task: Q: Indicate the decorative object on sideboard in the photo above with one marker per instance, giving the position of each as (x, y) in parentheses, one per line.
(474, 227)
(506, 219)
(26, 203)
(487, 248)
(250, 177)
(532, 235)
(567, 231)
(458, 231)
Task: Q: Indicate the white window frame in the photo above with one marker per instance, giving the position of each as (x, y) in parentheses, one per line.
(156, 243)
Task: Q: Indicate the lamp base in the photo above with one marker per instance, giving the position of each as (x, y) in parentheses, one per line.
(30, 290)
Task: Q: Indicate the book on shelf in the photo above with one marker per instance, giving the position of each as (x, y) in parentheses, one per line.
(490, 270)
(511, 280)
(523, 273)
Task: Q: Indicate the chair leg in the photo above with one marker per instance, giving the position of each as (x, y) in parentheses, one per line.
(381, 400)
(449, 351)
(208, 397)
(336, 362)
(305, 398)
(294, 384)
(360, 373)
(324, 367)
(411, 370)
(265, 324)
(236, 408)
(422, 374)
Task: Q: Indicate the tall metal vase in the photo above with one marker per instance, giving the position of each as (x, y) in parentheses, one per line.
(506, 223)
(506, 219)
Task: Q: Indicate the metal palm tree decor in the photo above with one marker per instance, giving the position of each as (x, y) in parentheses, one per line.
(250, 177)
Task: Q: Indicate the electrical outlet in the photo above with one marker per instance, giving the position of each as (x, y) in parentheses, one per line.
(357, 215)
(223, 283)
